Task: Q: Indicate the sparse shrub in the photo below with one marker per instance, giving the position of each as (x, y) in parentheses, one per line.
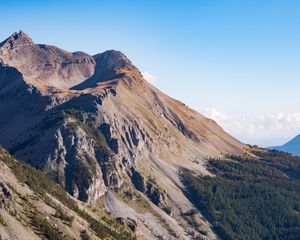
(167, 210)
(63, 216)
(49, 232)
(2, 222)
(84, 235)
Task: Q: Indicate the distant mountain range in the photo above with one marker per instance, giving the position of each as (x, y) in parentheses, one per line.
(293, 146)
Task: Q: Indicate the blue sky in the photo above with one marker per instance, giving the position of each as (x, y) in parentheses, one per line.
(235, 61)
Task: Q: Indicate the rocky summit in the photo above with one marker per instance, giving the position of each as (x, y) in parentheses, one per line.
(94, 125)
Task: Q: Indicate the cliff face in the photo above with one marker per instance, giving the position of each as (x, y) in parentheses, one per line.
(97, 127)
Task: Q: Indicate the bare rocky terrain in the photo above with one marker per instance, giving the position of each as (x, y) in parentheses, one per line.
(107, 136)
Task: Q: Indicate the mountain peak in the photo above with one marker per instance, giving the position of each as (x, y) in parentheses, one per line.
(17, 38)
(113, 59)
(294, 141)
(47, 66)
(292, 146)
(111, 64)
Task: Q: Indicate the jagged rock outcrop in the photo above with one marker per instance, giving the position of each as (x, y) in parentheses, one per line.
(95, 125)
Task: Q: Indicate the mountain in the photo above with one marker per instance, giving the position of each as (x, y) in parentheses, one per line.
(293, 146)
(96, 127)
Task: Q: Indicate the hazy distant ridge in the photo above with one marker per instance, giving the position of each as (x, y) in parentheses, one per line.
(293, 146)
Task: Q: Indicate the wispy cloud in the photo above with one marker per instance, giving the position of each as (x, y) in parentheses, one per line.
(151, 78)
(264, 130)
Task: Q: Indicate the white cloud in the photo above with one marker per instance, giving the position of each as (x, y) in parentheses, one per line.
(215, 115)
(151, 78)
(264, 130)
